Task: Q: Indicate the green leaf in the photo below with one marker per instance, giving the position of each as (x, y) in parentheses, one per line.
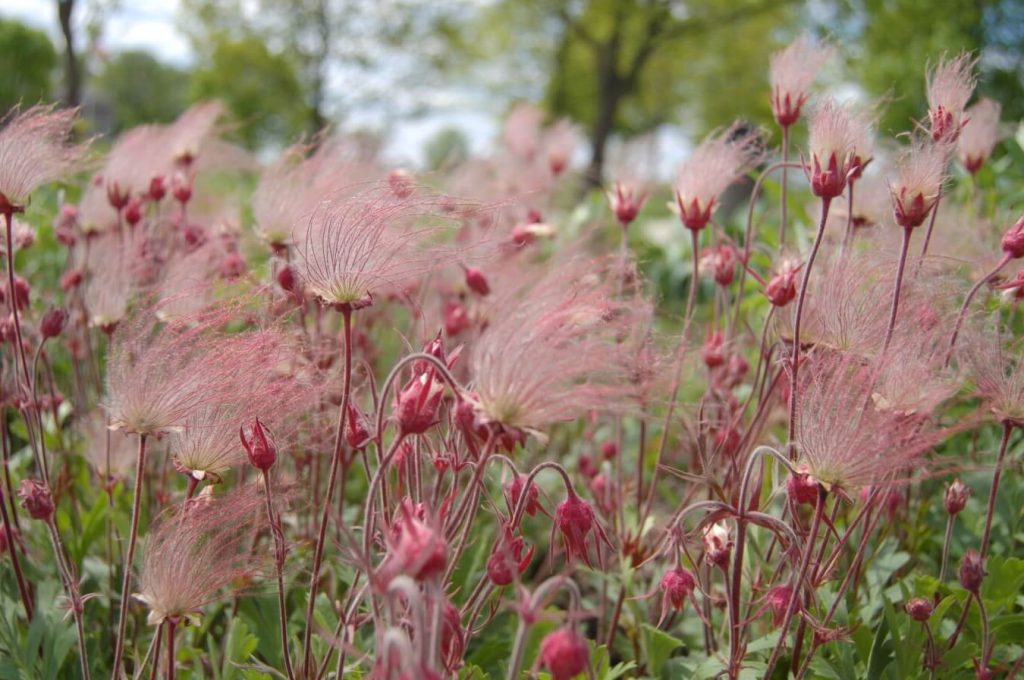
(879, 657)
(658, 647)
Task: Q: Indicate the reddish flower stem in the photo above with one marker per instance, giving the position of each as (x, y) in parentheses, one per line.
(126, 580)
(279, 557)
(12, 551)
(994, 490)
(967, 302)
(894, 309)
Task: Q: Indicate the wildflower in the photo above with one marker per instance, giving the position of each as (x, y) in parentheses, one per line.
(477, 282)
(919, 609)
(455, 318)
(802, 489)
(955, 497)
(417, 404)
(980, 134)
(972, 571)
(677, 586)
(416, 545)
(918, 183)
(259, 445)
(998, 372)
(626, 200)
(949, 86)
(52, 323)
(574, 519)
(723, 264)
(1013, 240)
(560, 139)
(566, 329)
(791, 72)
(189, 558)
(357, 435)
(36, 499)
(35, 149)
(713, 352)
(831, 139)
(357, 246)
(609, 450)
(781, 288)
(564, 653)
(507, 558)
(717, 540)
(715, 164)
(514, 490)
(521, 132)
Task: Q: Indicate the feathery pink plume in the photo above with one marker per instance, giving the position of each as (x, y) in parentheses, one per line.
(35, 148)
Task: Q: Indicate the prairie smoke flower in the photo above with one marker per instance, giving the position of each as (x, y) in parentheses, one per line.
(110, 456)
(972, 571)
(360, 245)
(159, 375)
(36, 499)
(521, 132)
(416, 545)
(716, 163)
(980, 134)
(564, 653)
(919, 609)
(844, 441)
(831, 138)
(507, 559)
(918, 183)
(949, 86)
(190, 557)
(574, 520)
(781, 288)
(551, 349)
(111, 281)
(862, 142)
(35, 148)
(717, 539)
(626, 200)
(560, 140)
(955, 497)
(676, 586)
(997, 370)
(791, 73)
(477, 282)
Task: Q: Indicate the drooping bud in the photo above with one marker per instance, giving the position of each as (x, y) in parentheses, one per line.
(416, 548)
(1013, 240)
(919, 609)
(455, 318)
(609, 450)
(717, 544)
(955, 498)
(22, 291)
(802, 489)
(52, 323)
(574, 519)
(357, 435)
(36, 499)
(972, 571)
(286, 279)
(564, 653)
(259, 445)
(515, 489)
(507, 559)
(781, 289)
(676, 586)
(477, 282)
(723, 265)
(777, 600)
(713, 350)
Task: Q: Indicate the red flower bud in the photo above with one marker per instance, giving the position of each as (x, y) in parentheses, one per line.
(712, 352)
(609, 450)
(117, 198)
(71, 279)
(157, 188)
(477, 282)
(919, 609)
(777, 600)
(52, 323)
(564, 653)
(455, 317)
(717, 544)
(507, 559)
(676, 586)
(259, 445)
(955, 498)
(802, 489)
(972, 571)
(181, 187)
(356, 433)
(781, 289)
(36, 499)
(515, 489)
(133, 212)
(1013, 240)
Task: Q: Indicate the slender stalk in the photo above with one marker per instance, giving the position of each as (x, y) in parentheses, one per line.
(12, 551)
(74, 600)
(967, 302)
(785, 185)
(931, 226)
(947, 540)
(336, 463)
(791, 423)
(691, 300)
(126, 581)
(994, 491)
(848, 235)
(279, 557)
(171, 626)
(896, 288)
(798, 581)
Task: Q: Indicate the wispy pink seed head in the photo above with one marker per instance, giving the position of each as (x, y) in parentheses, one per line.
(950, 84)
(35, 148)
(920, 174)
(626, 200)
(832, 134)
(559, 141)
(717, 162)
(791, 73)
(981, 132)
(521, 132)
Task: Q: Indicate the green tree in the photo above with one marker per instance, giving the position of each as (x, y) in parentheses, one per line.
(137, 88)
(29, 61)
(446, 149)
(259, 88)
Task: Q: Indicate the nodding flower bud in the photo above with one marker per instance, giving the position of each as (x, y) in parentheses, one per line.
(676, 586)
(802, 489)
(286, 279)
(71, 279)
(507, 559)
(919, 609)
(972, 571)
(455, 318)
(564, 653)
(157, 188)
(36, 499)
(609, 450)
(515, 489)
(477, 282)
(133, 212)
(1013, 240)
(777, 601)
(21, 292)
(781, 289)
(417, 547)
(713, 350)
(52, 323)
(356, 433)
(259, 445)
(723, 265)
(955, 498)
(717, 544)
(574, 519)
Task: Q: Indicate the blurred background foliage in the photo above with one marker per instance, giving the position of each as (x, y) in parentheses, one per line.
(618, 68)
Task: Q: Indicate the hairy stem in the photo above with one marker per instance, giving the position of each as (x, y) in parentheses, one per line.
(126, 580)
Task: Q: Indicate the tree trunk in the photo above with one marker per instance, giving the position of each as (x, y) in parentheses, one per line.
(609, 94)
(72, 77)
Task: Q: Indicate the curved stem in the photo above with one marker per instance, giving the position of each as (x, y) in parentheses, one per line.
(332, 480)
(791, 423)
(12, 551)
(967, 302)
(797, 584)
(126, 581)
